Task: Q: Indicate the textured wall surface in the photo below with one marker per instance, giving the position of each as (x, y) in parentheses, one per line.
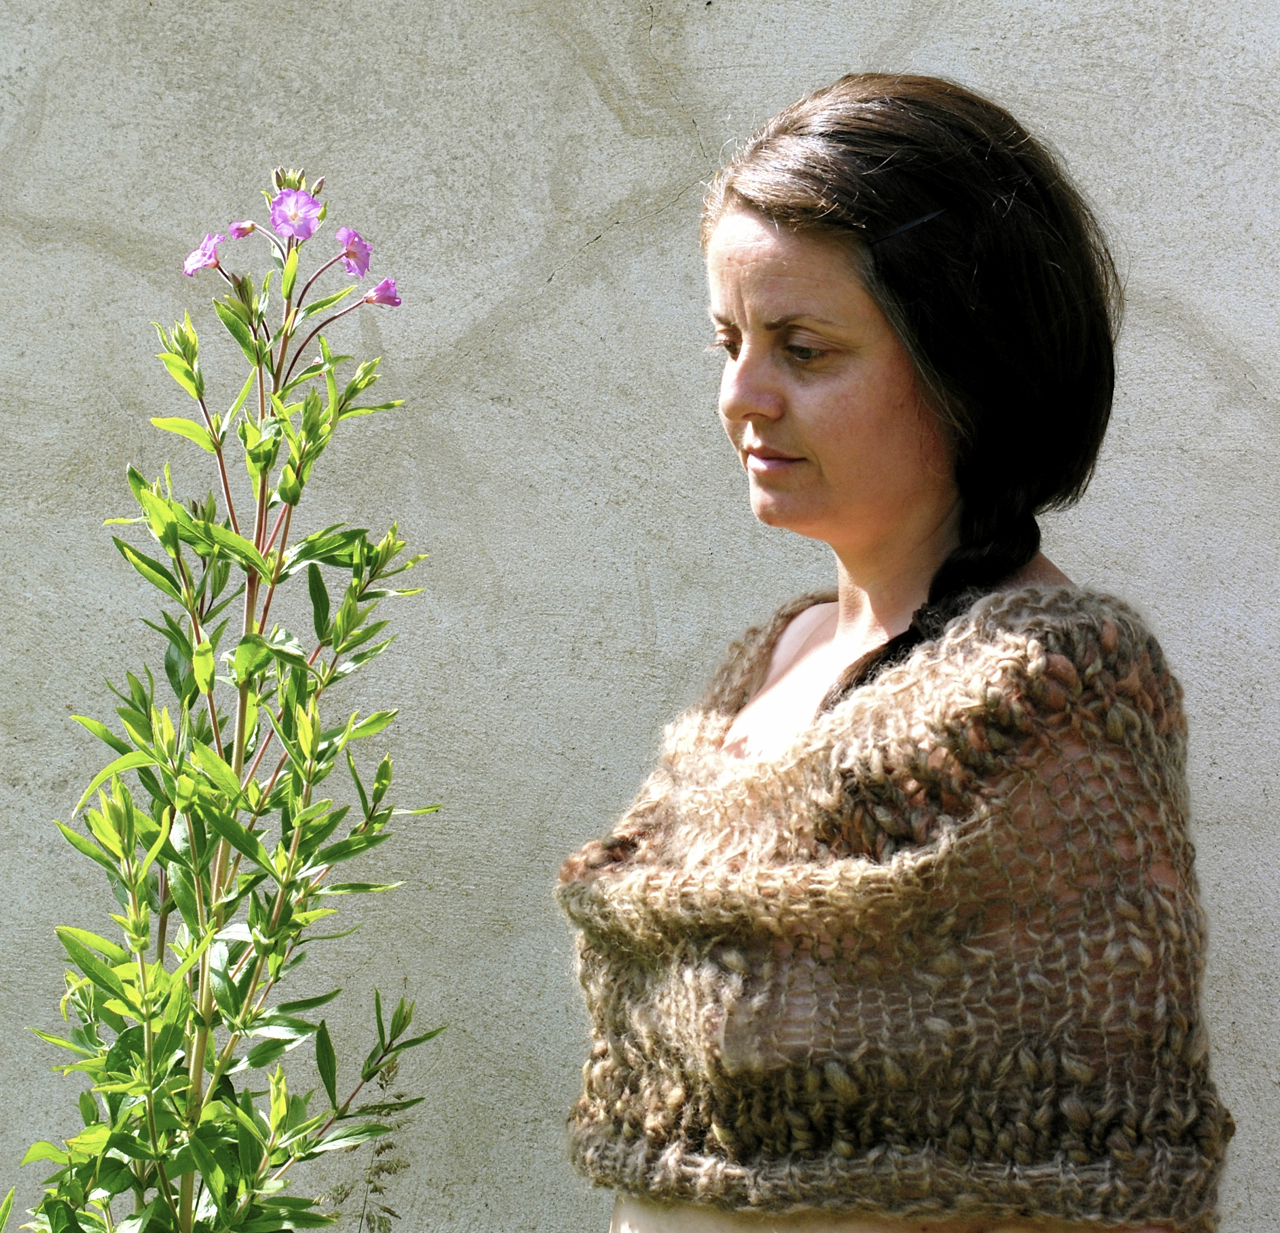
(529, 170)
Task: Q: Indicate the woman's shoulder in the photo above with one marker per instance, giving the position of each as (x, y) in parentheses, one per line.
(1031, 607)
(1064, 619)
(1027, 659)
(747, 661)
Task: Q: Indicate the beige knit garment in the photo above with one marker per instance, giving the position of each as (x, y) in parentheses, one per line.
(941, 959)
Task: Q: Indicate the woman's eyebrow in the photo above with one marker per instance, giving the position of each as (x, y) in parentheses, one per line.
(778, 323)
(792, 318)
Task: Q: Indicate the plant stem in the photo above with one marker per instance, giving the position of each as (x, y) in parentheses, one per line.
(275, 530)
(222, 468)
(275, 574)
(337, 1113)
(253, 770)
(332, 262)
(186, 1193)
(162, 924)
(303, 345)
(148, 1036)
(193, 611)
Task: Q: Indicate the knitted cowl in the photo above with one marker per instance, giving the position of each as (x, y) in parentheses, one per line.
(942, 958)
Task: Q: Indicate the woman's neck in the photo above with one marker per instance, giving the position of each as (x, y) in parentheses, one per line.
(877, 592)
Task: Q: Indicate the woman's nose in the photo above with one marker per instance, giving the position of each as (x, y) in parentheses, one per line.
(748, 387)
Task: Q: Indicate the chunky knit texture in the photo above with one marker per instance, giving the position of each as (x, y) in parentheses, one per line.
(941, 959)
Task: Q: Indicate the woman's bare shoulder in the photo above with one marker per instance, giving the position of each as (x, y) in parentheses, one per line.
(797, 637)
(1038, 572)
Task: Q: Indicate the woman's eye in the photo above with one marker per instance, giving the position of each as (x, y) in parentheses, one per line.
(804, 354)
(729, 345)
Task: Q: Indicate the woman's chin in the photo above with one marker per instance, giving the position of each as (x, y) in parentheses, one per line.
(783, 514)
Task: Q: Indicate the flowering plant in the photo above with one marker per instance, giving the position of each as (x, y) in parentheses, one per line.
(221, 851)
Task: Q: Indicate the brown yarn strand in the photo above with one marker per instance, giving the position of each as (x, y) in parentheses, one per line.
(942, 958)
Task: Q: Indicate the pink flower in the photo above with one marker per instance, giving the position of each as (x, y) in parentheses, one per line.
(238, 231)
(205, 255)
(355, 251)
(384, 293)
(295, 213)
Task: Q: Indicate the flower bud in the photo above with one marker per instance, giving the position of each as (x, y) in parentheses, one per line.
(384, 293)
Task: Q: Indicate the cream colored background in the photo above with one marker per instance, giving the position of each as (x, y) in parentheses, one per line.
(529, 171)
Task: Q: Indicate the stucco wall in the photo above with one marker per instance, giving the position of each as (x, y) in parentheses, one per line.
(529, 170)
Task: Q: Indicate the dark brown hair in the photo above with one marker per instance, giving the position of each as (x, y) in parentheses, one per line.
(989, 265)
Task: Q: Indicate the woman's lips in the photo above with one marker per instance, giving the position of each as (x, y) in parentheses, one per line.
(763, 461)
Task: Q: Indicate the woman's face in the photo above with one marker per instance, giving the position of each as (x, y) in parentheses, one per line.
(819, 397)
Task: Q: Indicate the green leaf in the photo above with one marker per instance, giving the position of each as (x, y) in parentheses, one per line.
(253, 655)
(161, 838)
(181, 372)
(350, 1136)
(244, 393)
(279, 1101)
(371, 725)
(41, 1150)
(319, 601)
(357, 888)
(137, 1222)
(6, 1209)
(193, 957)
(353, 845)
(91, 1140)
(327, 1064)
(331, 546)
(103, 733)
(174, 1022)
(295, 755)
(237, 547)
(358, 661)
(238, 330)
(49, 1038)
(88, 848)
(222, 776)
(139, 757)
(183, 891)
(108, 950)
(190, 429)
(282, 1027)
(242, 840)
(420, 1040)
(328, 302)
(91, 966)
(203, 666)
(285, 1221)
(295, 1008)
(290, 274)
(210, 1169)
(151, 570)
(246, 1120)
(350, 412)
(264, 1053)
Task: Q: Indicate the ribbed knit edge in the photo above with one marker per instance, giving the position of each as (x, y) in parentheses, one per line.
(904, 1185)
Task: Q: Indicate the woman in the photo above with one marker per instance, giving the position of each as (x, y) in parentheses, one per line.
(903, 933)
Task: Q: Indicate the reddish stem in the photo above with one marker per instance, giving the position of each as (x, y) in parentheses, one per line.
(327, 321)
(317, 274)
(222, 467)
(275, 577)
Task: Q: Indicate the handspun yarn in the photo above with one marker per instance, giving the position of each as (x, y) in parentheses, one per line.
(943, 958)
